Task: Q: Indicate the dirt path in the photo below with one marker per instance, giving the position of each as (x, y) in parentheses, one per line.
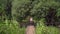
(30, 30)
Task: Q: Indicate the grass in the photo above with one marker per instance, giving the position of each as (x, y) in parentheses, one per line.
(47, 30)
(22, 30)
(12, 28)
(42, 29)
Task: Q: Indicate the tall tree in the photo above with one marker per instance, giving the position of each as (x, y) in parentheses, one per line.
(8, 9)
(35, 8)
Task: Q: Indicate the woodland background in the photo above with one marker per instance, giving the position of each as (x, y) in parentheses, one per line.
(14, 15)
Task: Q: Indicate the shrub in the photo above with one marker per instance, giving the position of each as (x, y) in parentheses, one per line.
(8, 27)
(42, 29)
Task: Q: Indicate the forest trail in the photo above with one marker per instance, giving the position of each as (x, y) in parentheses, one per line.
(30, 30)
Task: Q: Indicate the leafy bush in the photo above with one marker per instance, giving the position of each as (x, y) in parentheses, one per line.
(13, 28)
(10, 28)
(42, 29)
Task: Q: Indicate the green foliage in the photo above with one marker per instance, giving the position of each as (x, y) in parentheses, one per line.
(10, 28)
(42, 29)
(22, 31)
(37, 8)
(21, 9)
(47, 30)
(58, 12)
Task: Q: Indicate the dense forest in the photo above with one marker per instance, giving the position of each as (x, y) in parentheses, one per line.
(13, 13)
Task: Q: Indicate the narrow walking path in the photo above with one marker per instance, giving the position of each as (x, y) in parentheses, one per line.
(30, 29)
